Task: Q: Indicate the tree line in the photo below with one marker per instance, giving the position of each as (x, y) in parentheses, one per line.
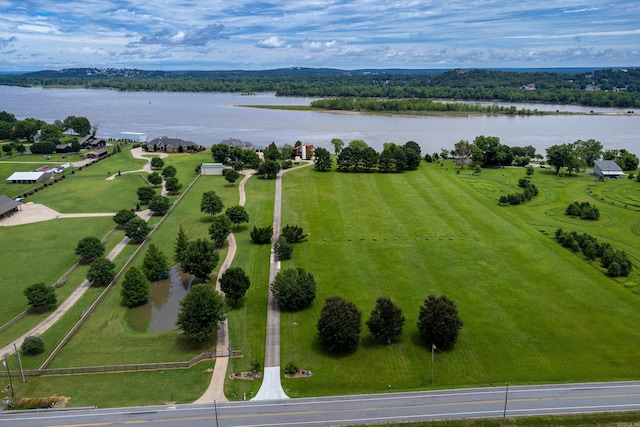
(612, 88)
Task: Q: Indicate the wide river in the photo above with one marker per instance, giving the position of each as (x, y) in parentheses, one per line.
(208, 118)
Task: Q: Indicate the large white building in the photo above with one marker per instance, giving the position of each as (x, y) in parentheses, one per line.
(134, 136)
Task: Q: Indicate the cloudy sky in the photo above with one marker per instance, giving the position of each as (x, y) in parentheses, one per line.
(347, 34)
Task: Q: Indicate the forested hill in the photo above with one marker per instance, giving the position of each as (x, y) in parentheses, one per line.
(605, 87)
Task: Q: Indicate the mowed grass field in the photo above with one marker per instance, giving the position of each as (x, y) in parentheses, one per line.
(533, 312)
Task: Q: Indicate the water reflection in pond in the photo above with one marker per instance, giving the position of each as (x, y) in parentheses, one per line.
(161, 312)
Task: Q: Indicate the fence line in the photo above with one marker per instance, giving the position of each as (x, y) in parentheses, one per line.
(90, 310)
(125, 368)
(13, 321)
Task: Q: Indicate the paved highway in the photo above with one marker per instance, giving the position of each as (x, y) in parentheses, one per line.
(346, 410)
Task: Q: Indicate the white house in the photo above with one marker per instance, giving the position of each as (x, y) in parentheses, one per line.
(212, 168)
(607, 168)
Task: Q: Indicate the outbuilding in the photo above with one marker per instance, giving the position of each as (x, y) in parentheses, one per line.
(607, 169)
(212, 168)
(28, 177)
(8, 206)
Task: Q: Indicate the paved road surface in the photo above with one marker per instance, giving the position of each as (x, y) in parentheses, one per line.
(364, 409)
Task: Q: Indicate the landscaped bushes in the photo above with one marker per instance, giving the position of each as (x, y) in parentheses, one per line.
(583, 210)
(530, 191)
(615, 261)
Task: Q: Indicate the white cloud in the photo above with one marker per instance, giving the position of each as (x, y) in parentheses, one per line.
(273, 42)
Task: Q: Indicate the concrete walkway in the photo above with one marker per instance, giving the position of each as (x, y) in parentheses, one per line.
(215, 391)
(271, 388)
(35, 212)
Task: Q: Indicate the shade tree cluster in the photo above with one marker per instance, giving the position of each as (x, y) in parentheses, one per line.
(290, 235)
(237, 157)
(359, 157)
(615, 261)
(339, 324)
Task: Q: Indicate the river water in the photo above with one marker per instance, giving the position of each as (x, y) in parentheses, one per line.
(208, 118)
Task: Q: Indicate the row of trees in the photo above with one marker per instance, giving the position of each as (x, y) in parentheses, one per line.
(580, 154)
(530, 191)
(14, 129)
(359, 157)
(616, 262)
(340, 323)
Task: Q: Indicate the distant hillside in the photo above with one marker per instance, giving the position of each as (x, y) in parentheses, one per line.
(602, 87)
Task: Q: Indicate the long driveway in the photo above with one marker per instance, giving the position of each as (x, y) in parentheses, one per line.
(271, 387)
(215, 391)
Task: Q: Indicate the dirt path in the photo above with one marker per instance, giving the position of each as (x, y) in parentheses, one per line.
(215, 391)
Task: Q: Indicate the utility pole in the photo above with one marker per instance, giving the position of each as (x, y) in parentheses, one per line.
(216, 410)
(433, 352)
(19, 363)
(6, 364)
(504, 414)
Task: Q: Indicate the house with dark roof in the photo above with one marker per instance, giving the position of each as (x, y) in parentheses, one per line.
(96, 154)
(236, 143)
(91, 142)
(8, 206)
(173, 145)
(63, 148)
(607, 169)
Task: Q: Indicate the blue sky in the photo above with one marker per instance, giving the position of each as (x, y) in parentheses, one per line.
(347, 34)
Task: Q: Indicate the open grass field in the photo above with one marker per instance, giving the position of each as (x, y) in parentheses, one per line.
(533, 312)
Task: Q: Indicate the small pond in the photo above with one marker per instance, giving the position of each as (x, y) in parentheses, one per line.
(161, 312)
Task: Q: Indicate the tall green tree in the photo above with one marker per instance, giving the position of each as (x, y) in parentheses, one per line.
(220, 152)
(294, 288)
(199, 259)
(271, 152)
(89, 248)
(155, 264)
(339, 325)
(439, 322)
(231, 176)
(201, 312)
(237, 214)
(41, 296)
(323, 160)
(234, 283)
(101, 272)
(123, 216)
(135, 289)
(386, 321)
(211, 203)
(338, 145)
(172, 185)
(180, 246)
(220, 229)
(588, 151)
(169, 171)
(269, 169)
(562, 156)
(154, 178)
(145, 194)
(159, 205)
(137, 229)
(157, 163)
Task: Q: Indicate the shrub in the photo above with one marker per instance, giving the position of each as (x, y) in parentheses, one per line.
(283, 248)
(293, 233)
(583, 210)
(32, 346)
(291, 368)
(261, 235)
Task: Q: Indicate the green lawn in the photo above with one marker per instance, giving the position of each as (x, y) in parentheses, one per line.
(40, 252)
(122, 389)
(533, 311)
